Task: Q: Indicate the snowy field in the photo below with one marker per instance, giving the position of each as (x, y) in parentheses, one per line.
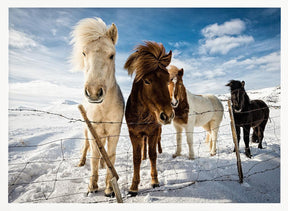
(45, 140)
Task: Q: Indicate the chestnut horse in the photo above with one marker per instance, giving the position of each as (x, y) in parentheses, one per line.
(148, 106)
(247, 114)
(193, 111)
(94, 53)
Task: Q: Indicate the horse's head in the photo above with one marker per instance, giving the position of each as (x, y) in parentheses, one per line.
(239, 96)
(176, 87)
(94, 52)
(152, 78)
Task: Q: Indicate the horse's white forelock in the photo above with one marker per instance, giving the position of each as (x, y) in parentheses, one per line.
(85, 31)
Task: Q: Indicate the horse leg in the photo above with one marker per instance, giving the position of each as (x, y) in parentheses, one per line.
(137, 145)
(255, 138)
(238, 136)
(85, 149)
(246, 140)
(189, 135)
(102, 162)
(112, 144)
(159, 141)
(261, 133)
(179, 130)
(208, 132)
(214, 128)
(153, 157)
(94, 162)
(144, 148)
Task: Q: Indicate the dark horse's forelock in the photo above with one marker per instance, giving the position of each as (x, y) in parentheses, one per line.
(147, 58)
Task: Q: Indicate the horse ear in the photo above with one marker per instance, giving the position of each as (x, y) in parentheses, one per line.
(180, 72)
(169, 56)
(112, 33)
(243, 83)
(229, 84)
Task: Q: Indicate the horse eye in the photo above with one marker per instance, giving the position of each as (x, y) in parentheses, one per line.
(111, 57)
(84, 54)
(146, 82)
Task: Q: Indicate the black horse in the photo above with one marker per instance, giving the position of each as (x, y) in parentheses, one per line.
(247, 114)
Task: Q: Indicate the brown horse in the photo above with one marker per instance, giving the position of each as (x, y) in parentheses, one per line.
(148, 106)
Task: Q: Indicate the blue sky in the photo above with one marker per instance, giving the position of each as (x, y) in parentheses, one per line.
(212, 45)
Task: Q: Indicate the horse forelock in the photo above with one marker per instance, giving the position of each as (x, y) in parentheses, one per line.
(148, 58)
(173, 71)
(86, 31)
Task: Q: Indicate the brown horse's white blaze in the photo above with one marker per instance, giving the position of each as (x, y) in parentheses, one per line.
(172, 88)
(148, 106)
(193, 111)
(94, 53)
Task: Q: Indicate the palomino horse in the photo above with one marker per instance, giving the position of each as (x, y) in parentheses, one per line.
(148, 106)
(94, 53)
(247, 114)
(193, 111)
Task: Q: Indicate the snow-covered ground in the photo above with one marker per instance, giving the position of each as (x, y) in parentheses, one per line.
(44, 150)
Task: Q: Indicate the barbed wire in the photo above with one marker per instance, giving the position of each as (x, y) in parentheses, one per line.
(182, 184)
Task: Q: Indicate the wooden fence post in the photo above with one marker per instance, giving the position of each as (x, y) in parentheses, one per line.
(104, 155)
(233, 129)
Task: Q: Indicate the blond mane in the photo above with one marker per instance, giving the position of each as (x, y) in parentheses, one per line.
(86, 31)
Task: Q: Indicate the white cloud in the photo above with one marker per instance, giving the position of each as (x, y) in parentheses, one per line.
(179, 44)
(232, 27)
(19, 39)
(224, 44)
(270, 62)
(221, 39)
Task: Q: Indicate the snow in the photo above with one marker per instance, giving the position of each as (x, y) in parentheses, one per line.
(45, 148)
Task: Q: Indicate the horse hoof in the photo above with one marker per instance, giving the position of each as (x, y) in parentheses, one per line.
(174, 156)
(248, 153)
(191, 158)
(260, 147)
(110, 195)
(91, 192)
(132, 193)
(81, 163)
(155, 185)
(212, 154)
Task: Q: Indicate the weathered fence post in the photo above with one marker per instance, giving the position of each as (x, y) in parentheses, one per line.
(104, 155)
(233, 129)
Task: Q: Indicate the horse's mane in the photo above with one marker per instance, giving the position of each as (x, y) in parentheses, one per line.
(86, 31)
(147, 58)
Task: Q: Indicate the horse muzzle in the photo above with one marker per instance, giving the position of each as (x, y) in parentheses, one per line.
(95, 97)
(174, 104)
(165, 118)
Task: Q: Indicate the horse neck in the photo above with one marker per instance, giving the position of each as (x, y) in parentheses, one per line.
(247, 103)
(139, 105)
(182, 110)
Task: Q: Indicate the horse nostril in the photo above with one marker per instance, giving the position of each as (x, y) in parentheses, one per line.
(87, 93)
(163, 117)
(100, 93)
(174, 104)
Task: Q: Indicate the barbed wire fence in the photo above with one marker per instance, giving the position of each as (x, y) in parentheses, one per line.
(168, 168)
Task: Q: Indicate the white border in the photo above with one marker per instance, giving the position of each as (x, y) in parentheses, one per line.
(5, 5)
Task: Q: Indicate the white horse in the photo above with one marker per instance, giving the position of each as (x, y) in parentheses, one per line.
(94, 53)
(193, 111)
